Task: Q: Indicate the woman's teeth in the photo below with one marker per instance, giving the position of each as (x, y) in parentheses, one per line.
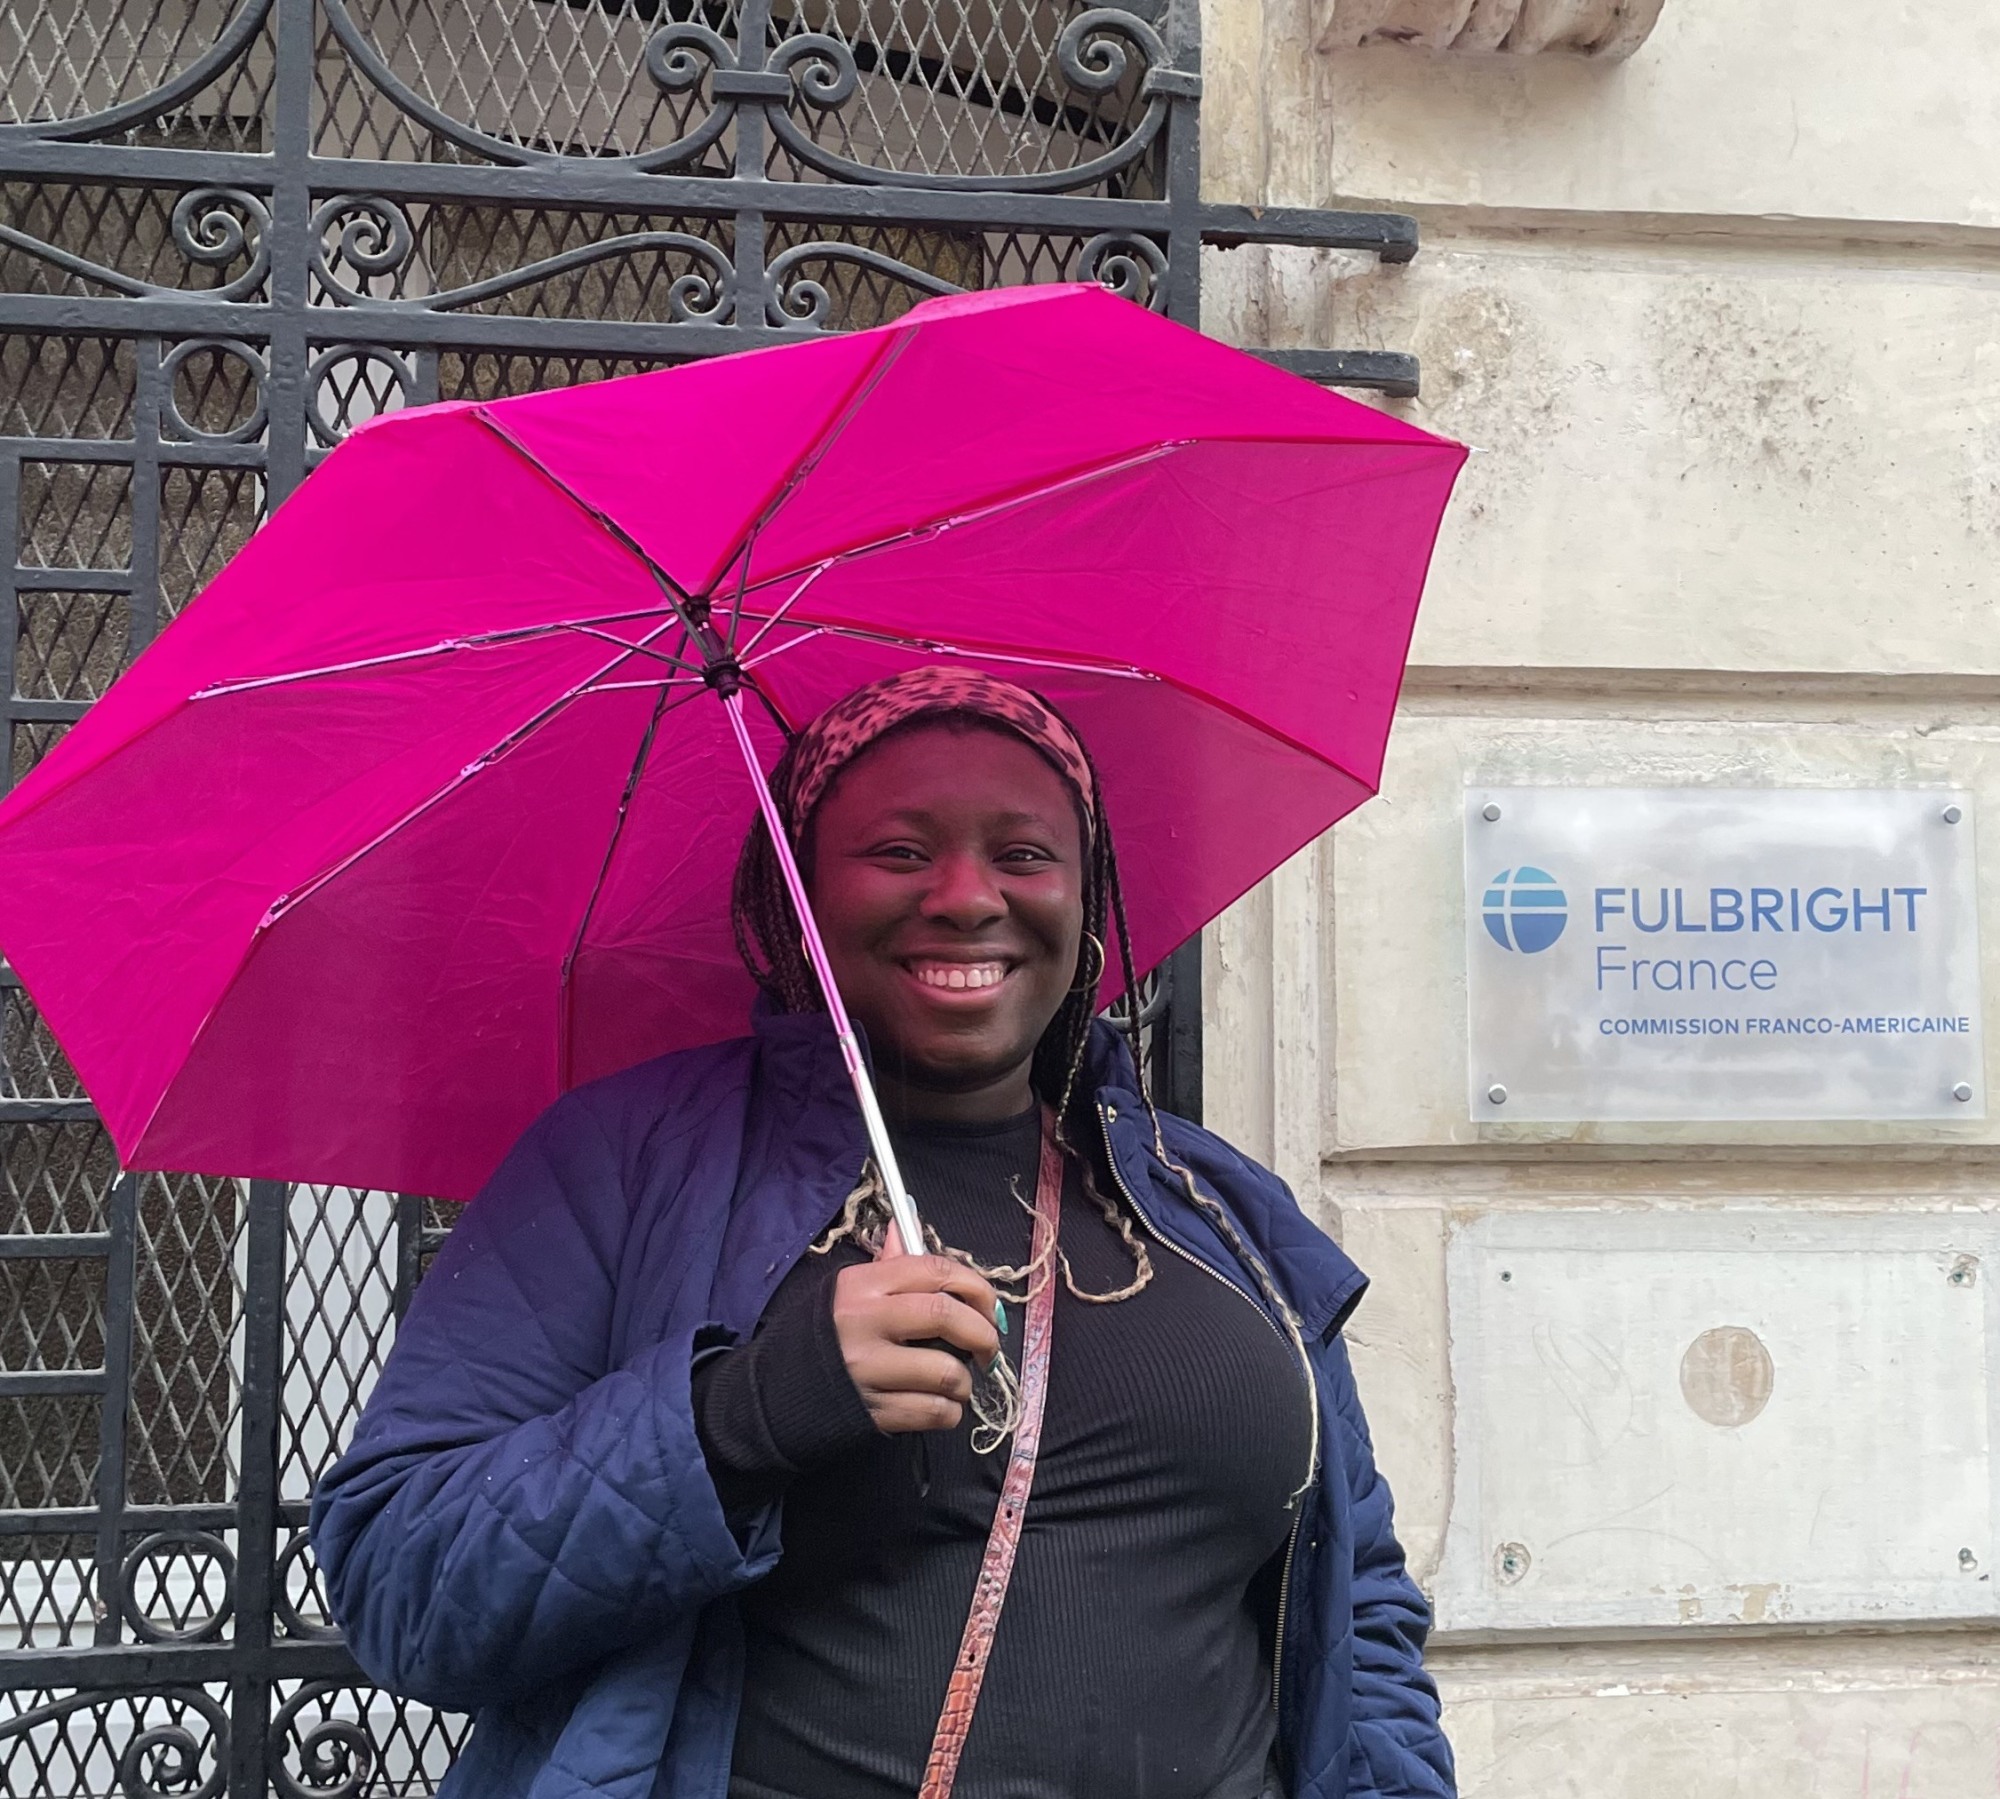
(959, 975)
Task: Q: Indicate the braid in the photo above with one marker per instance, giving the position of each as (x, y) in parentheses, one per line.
(761, 915)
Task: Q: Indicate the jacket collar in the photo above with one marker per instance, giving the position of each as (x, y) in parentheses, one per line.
(1312, 1271)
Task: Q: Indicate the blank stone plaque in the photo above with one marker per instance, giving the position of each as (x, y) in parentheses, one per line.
(1723, 1417)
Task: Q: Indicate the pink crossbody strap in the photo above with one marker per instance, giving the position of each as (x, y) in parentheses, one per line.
(996, 1569)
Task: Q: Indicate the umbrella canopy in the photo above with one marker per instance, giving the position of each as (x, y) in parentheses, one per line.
(425, 810)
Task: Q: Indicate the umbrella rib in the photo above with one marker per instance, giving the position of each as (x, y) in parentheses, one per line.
(777, 617)
(951, 521)
(830, 434)
(565, 986)
(1121, 671)
(513, 740)
(932, 646)
(930, 529)
(677, 596)
(483, 640)
(658, 683)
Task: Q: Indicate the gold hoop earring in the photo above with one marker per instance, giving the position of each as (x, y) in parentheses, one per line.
(1090, 985)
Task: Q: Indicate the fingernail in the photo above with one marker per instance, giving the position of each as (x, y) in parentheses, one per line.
(1000, 1316)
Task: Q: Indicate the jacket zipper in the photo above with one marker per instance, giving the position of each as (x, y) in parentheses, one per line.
(1104, 1116)
(1285, 1599)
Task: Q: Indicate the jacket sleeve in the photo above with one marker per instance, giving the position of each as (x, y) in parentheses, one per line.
(1398, 1747)
(512, 1507)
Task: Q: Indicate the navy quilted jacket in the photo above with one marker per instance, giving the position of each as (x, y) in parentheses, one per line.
(523, 1526)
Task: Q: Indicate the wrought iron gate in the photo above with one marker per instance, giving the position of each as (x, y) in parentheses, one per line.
(231, 230)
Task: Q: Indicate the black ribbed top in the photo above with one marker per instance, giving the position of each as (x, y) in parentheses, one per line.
(1132, 1658)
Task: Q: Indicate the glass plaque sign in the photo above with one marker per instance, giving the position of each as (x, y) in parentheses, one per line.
(1721, 953)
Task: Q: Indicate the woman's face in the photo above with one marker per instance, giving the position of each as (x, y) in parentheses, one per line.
(947, 874)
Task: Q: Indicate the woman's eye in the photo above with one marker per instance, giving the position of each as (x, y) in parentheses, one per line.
(1026, 855)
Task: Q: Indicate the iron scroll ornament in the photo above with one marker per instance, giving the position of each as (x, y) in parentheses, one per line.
(397, 389)
(1094, 54)
(205, 229)
(1089, 54)
(674, 57)
(229, 44)
(336, 1757)
(791, 298)
(376, 238)
(161, 1761)
(196, 1619)
(178, 426)
(295, 1565)
(1131, 266)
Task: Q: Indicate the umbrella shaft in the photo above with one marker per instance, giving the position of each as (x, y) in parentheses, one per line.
(901, 1207)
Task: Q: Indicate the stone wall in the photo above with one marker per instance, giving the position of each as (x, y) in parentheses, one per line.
(1722, 323)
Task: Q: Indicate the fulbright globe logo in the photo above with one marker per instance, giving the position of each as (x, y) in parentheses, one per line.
(1524, 909)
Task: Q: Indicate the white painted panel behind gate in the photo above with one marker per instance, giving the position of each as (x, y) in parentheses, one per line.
(1709, 1418)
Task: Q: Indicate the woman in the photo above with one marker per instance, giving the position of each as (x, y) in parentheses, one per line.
(686, 1489)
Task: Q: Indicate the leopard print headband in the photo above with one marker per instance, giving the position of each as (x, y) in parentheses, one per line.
(849, 726)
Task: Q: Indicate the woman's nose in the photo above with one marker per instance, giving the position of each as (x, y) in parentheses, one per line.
(963, 892)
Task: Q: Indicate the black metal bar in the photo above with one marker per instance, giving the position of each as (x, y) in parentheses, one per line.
(598, 188)
(10, 613)
(120, 1270)
(607, 187)
(45, 1111)
(291, 248)
(43, 1383)
(426, 391)
(181, 1664)
(68, 449)
(409, 1251)
(1183, 170)
(1182, 1026)
(1385, 371)
(124, 449)
(71, 580)
(1391, 371)
(140, 1520)
(251, 1667)
(65, 712)
(130, 165)
(69, 1247)
(149, 411)
(1390, 235)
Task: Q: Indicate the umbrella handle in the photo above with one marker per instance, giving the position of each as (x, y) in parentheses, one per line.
(902, 1208)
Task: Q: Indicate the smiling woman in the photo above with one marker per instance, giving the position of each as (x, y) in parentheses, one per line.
(769, 1554)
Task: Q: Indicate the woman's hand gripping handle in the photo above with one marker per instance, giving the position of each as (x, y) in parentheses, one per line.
(911, 1329)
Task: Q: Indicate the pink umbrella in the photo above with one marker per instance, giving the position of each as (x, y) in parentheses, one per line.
(426, 810)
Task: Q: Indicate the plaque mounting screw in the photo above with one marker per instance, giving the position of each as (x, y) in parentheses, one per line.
(1964, 1271)
(1967, 1560)
(1962, 1092)
(1511, 1561)
(1952, 814)
(1490, 811)
(1496, 1095)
